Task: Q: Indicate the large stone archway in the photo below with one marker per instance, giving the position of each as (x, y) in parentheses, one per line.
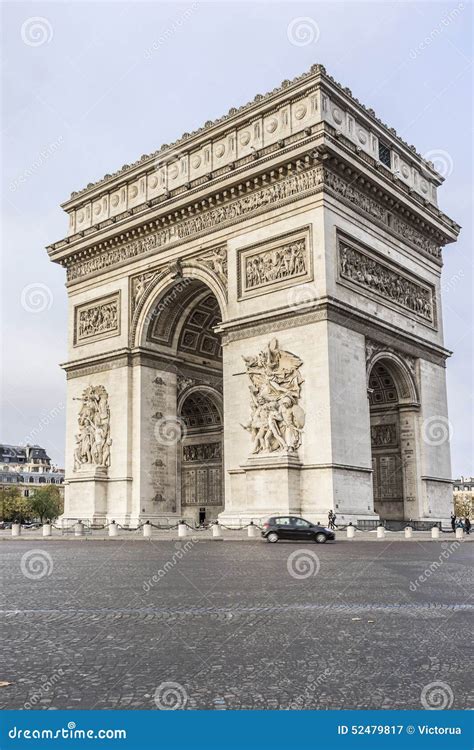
(265, 272)
(178, 404)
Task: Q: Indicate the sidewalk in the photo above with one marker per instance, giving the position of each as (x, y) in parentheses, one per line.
(101, 535)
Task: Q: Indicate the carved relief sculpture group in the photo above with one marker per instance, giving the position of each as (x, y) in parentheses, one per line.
(93, 440)
(277, 420)
(202, 452)
(383, 435)
(376, 277)
(280, 263)
(96, 319)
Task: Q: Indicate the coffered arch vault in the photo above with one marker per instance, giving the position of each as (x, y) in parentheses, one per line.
(169, 293)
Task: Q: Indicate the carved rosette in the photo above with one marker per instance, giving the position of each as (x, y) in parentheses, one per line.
(277, 420)
(93, 440)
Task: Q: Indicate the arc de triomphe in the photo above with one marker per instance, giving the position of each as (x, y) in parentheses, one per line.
(255, 322)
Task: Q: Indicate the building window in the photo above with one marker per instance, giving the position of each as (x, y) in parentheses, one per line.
(385, 155)
(26, 493)
(31, 479)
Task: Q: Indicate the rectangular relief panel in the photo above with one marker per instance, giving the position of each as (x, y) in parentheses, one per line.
(384, 281)
(98, 319)
(274, 264)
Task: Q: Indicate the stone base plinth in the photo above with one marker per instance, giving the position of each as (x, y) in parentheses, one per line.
(265, 485)
(86, 494)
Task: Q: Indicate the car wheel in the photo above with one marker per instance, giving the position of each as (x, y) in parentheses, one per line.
(272, 537)
(320, 538)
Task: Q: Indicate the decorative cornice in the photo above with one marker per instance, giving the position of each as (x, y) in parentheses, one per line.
(293, 181)
(317, 72)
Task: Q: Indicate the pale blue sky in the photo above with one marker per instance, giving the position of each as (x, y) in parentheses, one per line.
(112, 81)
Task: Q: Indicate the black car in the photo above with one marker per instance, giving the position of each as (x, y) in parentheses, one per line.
(293, 527)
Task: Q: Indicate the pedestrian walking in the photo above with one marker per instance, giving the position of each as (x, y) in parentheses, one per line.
(467, 525)
(453, 521)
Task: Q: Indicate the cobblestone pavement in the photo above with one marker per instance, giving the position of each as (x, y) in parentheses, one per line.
(201, 624)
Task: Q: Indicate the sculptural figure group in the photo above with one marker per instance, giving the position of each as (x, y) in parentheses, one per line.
(93, 440)
(277, 420)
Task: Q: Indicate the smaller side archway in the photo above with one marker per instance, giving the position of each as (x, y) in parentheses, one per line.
(200, 458)
(393, 403)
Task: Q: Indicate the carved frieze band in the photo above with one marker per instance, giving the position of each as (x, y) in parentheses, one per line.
(97, 319)
(209, 218)
(384, 435)
(280, 191)
(361, 268)
(378, 211)
(202, 452)
(268, 266)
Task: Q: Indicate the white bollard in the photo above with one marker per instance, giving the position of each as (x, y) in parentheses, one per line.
(147, 530)
(79, 529)
(408, 532)
(113, 529)
(380, 532)
(252, 530)
(216, 531)
(459, 533)
(47, 529)
(182, 529)
(350, 532)
(435, 532)
(16, 529)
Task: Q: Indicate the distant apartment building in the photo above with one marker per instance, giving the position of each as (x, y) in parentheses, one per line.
(27, 467)
(463, 496)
